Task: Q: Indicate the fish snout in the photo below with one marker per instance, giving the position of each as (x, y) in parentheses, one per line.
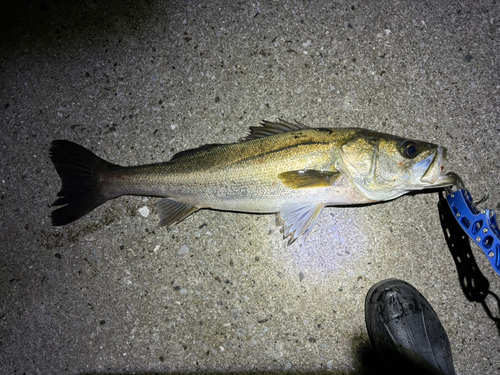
(431, 169)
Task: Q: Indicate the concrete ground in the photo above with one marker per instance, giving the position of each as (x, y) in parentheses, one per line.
(139, 81)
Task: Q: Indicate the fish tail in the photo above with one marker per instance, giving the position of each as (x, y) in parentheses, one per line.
(80, 172)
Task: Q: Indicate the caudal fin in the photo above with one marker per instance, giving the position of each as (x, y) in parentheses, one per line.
(79, 170)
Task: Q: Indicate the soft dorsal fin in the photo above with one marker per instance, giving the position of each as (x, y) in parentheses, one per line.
(270, 128)
(192, 151)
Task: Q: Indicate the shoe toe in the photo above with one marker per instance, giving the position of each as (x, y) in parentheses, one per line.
(401, 323)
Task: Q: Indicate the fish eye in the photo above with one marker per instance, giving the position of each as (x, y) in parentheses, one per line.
(409, 149)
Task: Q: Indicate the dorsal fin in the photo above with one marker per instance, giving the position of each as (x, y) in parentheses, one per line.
(270, 128)
(184, 153)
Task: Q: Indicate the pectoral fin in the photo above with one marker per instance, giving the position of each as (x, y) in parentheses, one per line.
(300, 219)
(172, 211)
(308, 178)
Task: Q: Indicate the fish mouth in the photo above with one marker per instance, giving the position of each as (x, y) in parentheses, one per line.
(429, 172)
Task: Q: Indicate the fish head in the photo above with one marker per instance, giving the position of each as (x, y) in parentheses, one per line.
(383, 166)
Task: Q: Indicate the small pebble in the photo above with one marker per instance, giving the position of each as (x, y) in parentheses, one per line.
(144, 211)
(183, 250)
(329, 364)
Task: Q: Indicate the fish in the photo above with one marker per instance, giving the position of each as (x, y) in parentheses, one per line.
(279, 167)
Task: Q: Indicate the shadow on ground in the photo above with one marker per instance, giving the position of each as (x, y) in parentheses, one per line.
(474, 284)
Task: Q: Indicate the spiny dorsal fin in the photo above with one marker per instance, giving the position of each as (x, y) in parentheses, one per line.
(308, 178)
(270, 128)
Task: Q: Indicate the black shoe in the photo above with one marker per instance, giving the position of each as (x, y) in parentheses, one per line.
(405, 330)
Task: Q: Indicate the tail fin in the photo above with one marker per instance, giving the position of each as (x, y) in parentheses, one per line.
(79, 170)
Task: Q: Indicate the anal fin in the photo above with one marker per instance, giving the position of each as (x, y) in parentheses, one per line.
(171, 211)
(300, 219)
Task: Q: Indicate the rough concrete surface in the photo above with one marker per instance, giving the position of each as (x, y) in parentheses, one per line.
(139, 81)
